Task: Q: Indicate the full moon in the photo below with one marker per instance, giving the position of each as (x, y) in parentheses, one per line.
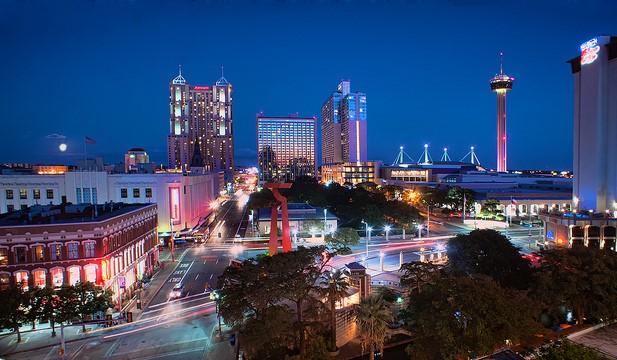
(62, 147)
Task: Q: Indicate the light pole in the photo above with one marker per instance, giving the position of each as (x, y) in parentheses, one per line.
(428, 221)
(368, 239)
(325, 222)
(419, 231)
(387, 228)
(214, 295)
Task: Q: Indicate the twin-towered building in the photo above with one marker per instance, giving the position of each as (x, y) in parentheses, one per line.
(200, 116)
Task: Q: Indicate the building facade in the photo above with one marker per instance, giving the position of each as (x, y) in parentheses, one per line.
(183, 200)
(595, 125)
(285, 147)
(344, 126)
(56, 245)
(351, 172)
(201, 116)
(135, 159)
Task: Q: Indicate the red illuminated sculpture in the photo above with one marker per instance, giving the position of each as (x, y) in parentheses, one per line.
(282, 202)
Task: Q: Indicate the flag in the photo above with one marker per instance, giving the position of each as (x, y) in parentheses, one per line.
(90, 140)
(514, 202)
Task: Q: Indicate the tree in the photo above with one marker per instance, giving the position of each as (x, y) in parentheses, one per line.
(88, 299)
(372, 317)
(48, 303)
(13, 309)
(461, 317)
(342, 239)
(457, 197)
(567, 350)
(416, 274)
(489, 209)
(490, 253)
(335, 285)
(581, 278)
(259, 288)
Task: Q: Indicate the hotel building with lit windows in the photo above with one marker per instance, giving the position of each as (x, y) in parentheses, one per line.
(285, 147)
(56, 245)
(201, 115)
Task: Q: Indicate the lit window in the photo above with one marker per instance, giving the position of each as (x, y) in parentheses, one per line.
(135, 192)
(74, 275)
(5, 281)
(9, 194)
(38, 253)
(50, 193)
(23, 194)
(40, 279)
(124, 193)
(21, 279)
(90, 272)
(4, 256)
(57, 277)
(36, 193)
(148, 192)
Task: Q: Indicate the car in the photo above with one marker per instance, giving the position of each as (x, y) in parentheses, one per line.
(178, 291)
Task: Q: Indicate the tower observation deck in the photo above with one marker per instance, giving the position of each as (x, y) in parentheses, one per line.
(501, 84)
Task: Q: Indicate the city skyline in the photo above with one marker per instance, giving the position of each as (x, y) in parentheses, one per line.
(403, 69)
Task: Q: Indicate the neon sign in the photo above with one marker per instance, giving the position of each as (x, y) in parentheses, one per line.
(589, 51)
(201, 88)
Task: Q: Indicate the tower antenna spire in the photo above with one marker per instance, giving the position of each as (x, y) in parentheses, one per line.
(501, 63)
(222, 71)
(180, 69)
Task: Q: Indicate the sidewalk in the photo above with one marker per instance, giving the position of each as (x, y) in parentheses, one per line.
(41, 337)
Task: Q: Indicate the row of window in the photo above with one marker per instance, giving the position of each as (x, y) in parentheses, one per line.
(23, 194)
(54, 254)
(124, 193)
(39, 276)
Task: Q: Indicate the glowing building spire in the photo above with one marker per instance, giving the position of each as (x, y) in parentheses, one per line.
(501, 84)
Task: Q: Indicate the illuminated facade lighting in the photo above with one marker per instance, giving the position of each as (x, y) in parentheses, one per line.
(501, 84)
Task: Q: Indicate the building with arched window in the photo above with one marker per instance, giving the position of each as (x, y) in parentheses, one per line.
(113, 245)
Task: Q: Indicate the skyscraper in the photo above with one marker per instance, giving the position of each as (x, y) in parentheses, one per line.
(595, 125)
(344, 126)
(201, 115)
(285, 147)
(501, 84)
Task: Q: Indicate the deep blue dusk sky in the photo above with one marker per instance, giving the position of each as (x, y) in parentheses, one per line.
(101, 70)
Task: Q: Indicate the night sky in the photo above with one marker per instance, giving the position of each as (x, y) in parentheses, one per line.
(89, 68)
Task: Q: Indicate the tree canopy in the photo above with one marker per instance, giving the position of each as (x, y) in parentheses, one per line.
(490, 253)
(457, 317)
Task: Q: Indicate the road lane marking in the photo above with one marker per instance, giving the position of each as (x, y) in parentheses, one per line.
(217, 260)
(211, 275)
(187, 271)
(196, 276)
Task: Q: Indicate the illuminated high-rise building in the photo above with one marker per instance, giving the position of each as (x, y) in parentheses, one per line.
(201, 115)
(595, 125)
(344, 126)
(285, 147)
(501, 84)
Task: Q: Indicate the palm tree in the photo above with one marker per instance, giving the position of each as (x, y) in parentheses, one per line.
(372, 317)
(334, 284)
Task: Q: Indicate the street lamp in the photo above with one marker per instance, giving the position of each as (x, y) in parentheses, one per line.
(325, 221)
(214, 295)
(387, 228)
(368, 240)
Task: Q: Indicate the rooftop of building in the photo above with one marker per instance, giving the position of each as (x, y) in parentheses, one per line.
(66, 214)
(298, 211)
